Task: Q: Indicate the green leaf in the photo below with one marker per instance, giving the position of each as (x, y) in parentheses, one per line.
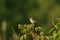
(51, 30)
(47, 37)
(54, 34)
(21, 38)
(38, 28)
(56, 27)
(25, 36)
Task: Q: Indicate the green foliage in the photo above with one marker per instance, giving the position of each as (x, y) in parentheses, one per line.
(37, 33)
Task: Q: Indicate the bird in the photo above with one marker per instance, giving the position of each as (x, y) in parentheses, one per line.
(32, 20)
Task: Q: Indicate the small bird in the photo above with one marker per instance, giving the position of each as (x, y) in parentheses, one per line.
(32, 20)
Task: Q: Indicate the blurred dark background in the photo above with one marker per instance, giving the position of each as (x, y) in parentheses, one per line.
(19, 11)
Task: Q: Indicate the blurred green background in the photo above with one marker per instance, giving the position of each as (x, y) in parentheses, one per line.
(19, 11)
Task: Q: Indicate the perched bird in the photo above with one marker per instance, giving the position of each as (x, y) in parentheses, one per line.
(32, 20)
